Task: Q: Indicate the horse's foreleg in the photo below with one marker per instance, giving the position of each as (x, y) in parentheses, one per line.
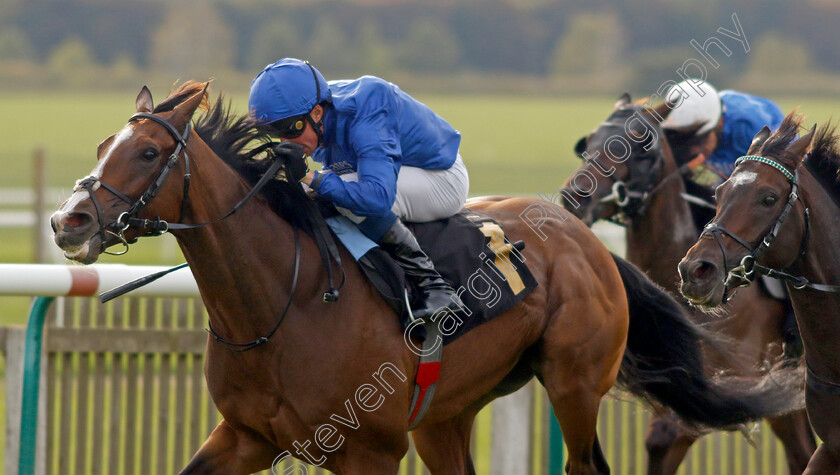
(229, 451)
(575, 388)
(666, 445)
(577, 411)
(445, 446)
(796, 435)
(578, 363)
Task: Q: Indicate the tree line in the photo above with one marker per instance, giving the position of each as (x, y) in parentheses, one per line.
(572, 44)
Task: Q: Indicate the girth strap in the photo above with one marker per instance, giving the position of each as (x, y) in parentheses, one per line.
(326, 248)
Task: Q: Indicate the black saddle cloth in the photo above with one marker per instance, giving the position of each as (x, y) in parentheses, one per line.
(472, 253)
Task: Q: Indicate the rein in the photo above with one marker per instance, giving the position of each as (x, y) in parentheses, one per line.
(240, 347)
(744, 273)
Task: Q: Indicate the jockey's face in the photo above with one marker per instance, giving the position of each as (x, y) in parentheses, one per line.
(707, 146)
(309, 139)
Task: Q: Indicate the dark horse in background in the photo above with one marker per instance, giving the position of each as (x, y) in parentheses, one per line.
(778, 217)
(645, 188)
(593, 319)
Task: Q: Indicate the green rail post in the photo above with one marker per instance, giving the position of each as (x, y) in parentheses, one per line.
(31, 381)
(555, 446)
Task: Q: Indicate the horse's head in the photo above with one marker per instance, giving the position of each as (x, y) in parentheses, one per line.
(132, 168)
(622, 161)
(757, 206)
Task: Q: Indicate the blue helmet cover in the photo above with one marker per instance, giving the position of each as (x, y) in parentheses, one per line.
(285, 89)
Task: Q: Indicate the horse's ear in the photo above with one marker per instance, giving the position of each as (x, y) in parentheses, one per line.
(661, 111)
(580, 146)
(144, 102)
(184, 111)
(802, 144)
(759, 140)
(623, 100)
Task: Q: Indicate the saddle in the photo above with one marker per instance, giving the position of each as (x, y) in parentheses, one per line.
(468, 249)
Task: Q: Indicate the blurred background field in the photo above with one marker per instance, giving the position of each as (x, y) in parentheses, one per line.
(511, 143)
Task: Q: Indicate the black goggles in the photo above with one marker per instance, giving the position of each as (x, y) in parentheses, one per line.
(290, 127)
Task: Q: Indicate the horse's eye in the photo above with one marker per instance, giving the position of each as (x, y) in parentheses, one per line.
(150, 154)
(769, 200)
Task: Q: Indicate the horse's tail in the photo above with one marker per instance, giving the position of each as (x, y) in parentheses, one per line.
(663, 362)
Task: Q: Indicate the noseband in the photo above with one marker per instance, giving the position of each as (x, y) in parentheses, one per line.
(744, 273)
(129, 218)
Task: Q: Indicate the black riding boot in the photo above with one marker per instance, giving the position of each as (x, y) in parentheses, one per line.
(401, 244)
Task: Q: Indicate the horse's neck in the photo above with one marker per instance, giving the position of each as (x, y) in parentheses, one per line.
(819, 312)
(658, 240)
(822, 259)
(243, 263)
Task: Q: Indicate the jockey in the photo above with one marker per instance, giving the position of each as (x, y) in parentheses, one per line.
(720, 126)
(386, 158)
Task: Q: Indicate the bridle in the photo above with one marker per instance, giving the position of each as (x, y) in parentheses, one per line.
(631, 197)
(129, 218)
(744, 273)
(632, 202)
(157, 226)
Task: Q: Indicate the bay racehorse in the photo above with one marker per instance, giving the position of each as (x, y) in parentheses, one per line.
(775, 217)
(331, 383)
(643, 185)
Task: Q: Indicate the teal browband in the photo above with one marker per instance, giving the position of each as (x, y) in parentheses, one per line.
(767, 161)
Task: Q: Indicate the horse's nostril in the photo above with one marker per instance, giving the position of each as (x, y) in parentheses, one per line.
(702, 269)
(77, 220)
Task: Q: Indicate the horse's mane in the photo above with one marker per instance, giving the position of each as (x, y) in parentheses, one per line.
(235, 139)
(823, 161)
(777, 143)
